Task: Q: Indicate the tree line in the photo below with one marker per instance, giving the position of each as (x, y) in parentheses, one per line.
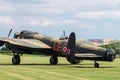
(114, 46)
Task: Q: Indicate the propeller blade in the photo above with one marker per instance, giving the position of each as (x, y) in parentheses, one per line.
(71, 48)
(10, 32)
(64, 33)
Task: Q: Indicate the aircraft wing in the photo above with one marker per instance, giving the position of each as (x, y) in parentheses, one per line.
(103, 42)
(29, 43)
(88, 55)
(98, 42)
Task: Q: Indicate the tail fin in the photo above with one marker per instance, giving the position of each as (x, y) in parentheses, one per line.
(71, 47)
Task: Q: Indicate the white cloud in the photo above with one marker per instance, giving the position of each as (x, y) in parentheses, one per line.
(7, 20)
(53, 13)
(34, 23)
(48, 22)
(6, 7)
(114, 14)
(99, 15)
(56, 7)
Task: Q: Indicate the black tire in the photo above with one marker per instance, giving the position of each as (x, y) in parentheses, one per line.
(53, 60)
(16, 60)
(96, 65)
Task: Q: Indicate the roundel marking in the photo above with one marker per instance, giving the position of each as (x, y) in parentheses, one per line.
(64, 49)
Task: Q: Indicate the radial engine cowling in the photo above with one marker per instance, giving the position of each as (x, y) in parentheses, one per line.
(1, 43)
(110, 55)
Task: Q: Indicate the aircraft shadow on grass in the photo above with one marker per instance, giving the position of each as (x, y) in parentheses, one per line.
(59, 65)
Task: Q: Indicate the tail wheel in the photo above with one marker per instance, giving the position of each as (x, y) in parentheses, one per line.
(96, 65)
(16, 60)
(53, 60)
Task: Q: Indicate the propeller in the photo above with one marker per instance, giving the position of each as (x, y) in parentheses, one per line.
(63, 32)
(71, 48)
(6, 44)
(9, 32)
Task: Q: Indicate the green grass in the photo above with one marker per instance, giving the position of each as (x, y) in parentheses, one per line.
(34, 67)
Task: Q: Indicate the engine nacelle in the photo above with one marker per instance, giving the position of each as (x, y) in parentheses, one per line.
(17, 35)
(1, 43)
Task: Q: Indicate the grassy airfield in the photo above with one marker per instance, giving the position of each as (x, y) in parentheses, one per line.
(34, 67)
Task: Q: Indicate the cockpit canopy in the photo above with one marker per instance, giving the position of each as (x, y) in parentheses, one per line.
(28, 32)
(24, 33)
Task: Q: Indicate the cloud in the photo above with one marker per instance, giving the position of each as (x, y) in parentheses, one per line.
(53, 22)
(37, 10)
(7, 20)
(87, 16)
(56, 7)
(6, 8)
(27, 1)
(98, 15)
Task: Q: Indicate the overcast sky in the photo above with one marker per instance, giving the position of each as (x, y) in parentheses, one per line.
(87, 18)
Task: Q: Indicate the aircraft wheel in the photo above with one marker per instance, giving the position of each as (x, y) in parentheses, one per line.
(16, 60)
(96, 65)
(53, 60)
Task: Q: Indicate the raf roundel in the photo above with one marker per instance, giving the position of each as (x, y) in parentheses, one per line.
(64, 49)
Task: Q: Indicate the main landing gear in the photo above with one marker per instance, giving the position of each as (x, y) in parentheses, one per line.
(53, 60)
(96, 65)
(16, 59)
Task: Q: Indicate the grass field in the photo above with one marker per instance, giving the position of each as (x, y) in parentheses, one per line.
(38, 68)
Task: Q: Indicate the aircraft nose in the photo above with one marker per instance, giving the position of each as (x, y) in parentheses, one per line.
(110, 55)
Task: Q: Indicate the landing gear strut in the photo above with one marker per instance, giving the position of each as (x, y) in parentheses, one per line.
(16, 60)
(96, 65)
(53, 60)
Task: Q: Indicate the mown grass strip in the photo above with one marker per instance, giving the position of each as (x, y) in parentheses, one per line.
(38, 68)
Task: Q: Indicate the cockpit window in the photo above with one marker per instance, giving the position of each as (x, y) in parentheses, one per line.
(28, 32)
